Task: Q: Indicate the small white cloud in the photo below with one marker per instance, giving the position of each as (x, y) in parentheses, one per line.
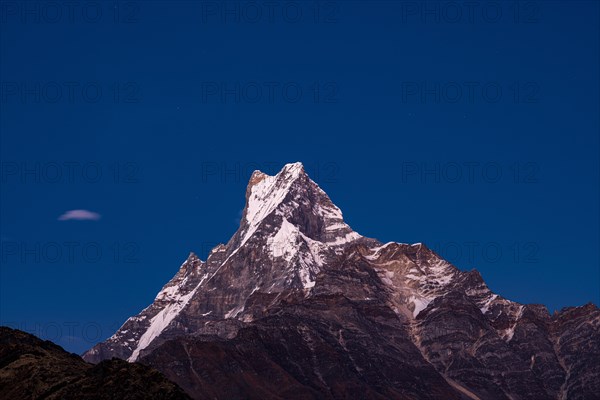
(79, 215)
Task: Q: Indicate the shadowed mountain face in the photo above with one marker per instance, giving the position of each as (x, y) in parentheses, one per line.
(298, 305)
(31, 368)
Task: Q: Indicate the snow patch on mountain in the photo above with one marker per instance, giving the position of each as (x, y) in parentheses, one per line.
(235, 311)
(161, 320)
(285, 242)
(420, 303)
(510, 331)
(487, 303)
(349, 237)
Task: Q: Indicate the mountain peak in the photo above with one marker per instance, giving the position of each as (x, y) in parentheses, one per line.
(295, 277)
(294, 169)
(292, 196)
(265, 193)
(288, 173)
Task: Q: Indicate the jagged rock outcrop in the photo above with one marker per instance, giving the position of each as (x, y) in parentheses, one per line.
(298, 305)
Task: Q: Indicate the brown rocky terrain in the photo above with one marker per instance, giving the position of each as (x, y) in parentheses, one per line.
(299, 306)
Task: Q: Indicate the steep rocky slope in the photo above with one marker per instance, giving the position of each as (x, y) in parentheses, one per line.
(298, 305)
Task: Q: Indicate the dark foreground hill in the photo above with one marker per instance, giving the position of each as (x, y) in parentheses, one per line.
(31, 368)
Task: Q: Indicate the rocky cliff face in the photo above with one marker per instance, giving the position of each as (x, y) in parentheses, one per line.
(298, 305)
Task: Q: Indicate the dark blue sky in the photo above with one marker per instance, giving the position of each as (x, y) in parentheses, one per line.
(471, 129)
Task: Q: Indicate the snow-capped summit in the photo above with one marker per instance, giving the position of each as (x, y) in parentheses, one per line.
(296, 279)
(288, 231)
(292, 195)
(265, 193)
